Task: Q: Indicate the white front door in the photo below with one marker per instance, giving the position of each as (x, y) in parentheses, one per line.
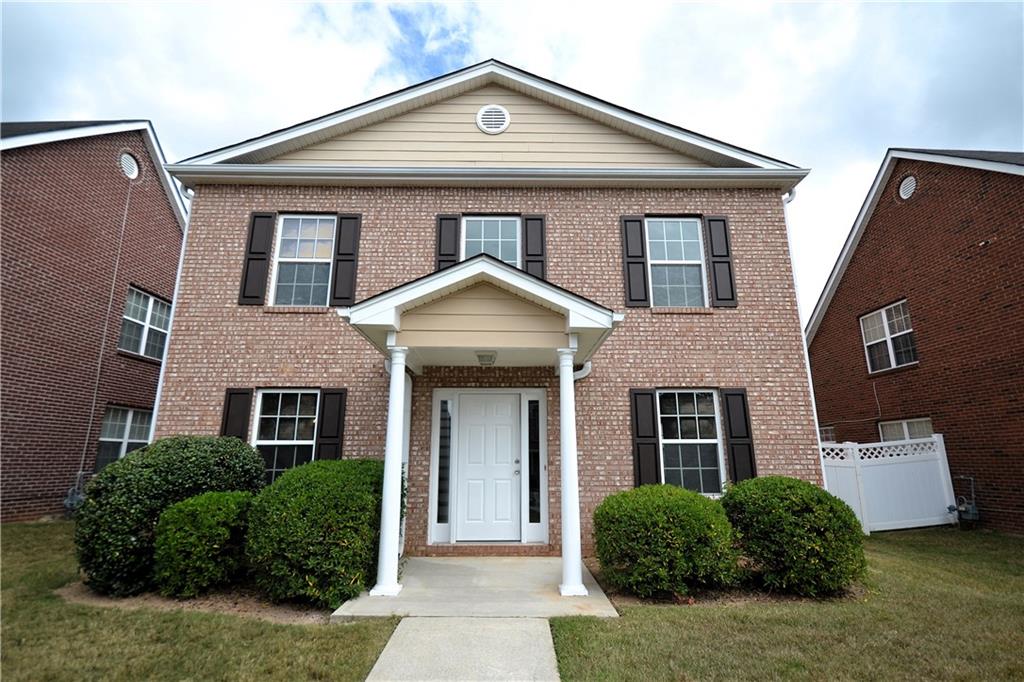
(488, 469)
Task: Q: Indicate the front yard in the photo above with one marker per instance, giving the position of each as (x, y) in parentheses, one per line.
(939, 604)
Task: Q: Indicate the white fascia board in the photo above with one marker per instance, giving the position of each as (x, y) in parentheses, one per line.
(386, 309)
(152, 144)
(191, 175)
(868, 208)
(487, 72)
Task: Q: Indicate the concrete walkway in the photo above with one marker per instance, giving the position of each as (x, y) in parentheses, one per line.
(486, 587)
(468, 649)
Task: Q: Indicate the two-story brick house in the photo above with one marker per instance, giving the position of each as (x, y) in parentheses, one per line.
(92, 227)
(920, 328)
(523, 297)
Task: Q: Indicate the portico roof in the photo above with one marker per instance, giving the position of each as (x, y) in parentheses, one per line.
(587, 324)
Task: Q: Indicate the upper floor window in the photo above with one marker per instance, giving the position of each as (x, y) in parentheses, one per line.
(497, 236)
(144, 325)
(690, 448)
(286, 429)
(302, 260)
(905, 429)
(123, 430)
(676, 262)
(889, 337)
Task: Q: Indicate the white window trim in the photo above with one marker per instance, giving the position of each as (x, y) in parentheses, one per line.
(278, 235)
(124, 440)
(662, 441)
(255, 430)
(146, 326)
(530, 533)
(701, 262)
(888, 338)
(519, 235)
(905, 425)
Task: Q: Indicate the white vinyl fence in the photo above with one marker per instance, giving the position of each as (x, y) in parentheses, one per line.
(896, 484)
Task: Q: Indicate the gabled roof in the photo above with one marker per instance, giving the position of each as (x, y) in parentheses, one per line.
(266, 147)
(27, 133)
(996, 161)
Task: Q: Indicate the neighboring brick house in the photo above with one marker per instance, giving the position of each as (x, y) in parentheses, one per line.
(92, 228)
(920, 328)
(525, 297)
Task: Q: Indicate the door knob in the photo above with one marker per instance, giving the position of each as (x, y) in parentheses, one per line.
(515, 461)
(516, 472)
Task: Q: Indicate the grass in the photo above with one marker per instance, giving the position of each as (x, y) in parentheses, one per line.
(940, 604)
(45, 638)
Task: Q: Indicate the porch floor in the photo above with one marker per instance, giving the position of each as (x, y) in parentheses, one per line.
(482, 587)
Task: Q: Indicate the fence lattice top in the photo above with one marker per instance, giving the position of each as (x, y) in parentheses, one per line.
(874, 451)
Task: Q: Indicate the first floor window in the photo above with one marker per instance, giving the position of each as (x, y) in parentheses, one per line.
(496, 236)
(905, 429)
(690, 447)
(305, 246)
(676, 256)
(123, 430)
(286, 429)
(889, 337)
(827, 434)
(144, 324)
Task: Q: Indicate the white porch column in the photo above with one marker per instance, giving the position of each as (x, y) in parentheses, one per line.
(572, 553)
(391, 503)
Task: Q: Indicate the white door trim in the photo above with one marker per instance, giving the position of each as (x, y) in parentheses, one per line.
(443, 533)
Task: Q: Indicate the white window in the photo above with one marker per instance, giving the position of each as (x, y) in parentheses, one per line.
(303, 258)
(144, 325)
(676, 262)
(905, 429)
(123, 430)
(497, 236)
(827, 434)
(691, 450)
(285, 429)
(888, 338)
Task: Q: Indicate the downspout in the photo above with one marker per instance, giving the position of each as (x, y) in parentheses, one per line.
(170, 324)
(786, 200)
(583, 372)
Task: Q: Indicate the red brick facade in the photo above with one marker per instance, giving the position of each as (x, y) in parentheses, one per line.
(63, 206)
(218, 344)
(955, 251)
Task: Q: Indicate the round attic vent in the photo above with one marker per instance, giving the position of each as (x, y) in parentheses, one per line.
(907, 187)
(492, 119)
(129, 166)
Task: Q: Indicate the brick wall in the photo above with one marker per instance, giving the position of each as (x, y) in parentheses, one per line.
(218, 344)
(955, 251)
(63, 205)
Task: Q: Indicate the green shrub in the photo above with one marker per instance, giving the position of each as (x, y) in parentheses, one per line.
(200, 543)
(313, 533)
(116, 524)
(661, 539)
(798, 537)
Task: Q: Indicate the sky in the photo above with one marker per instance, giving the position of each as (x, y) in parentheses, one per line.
(825, 86)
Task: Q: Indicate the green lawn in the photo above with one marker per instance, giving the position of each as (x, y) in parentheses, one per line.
(45, 638)
(940, 604)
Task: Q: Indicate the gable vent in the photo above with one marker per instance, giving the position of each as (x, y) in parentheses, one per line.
(907, 187)
(492, 119)
(129, 166)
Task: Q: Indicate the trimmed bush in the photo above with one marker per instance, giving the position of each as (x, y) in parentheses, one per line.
(799, 538)
(313, 533)
(116, 525)
(200, 543)
(662, 539)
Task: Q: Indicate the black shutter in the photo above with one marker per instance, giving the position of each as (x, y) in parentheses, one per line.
(235, 420)
(634, 252)
(533, 245)
(738, 442)
(331, 423)
(644, 416)
(447, 241)
(723, 288)
(257, 259)
(346, 255)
